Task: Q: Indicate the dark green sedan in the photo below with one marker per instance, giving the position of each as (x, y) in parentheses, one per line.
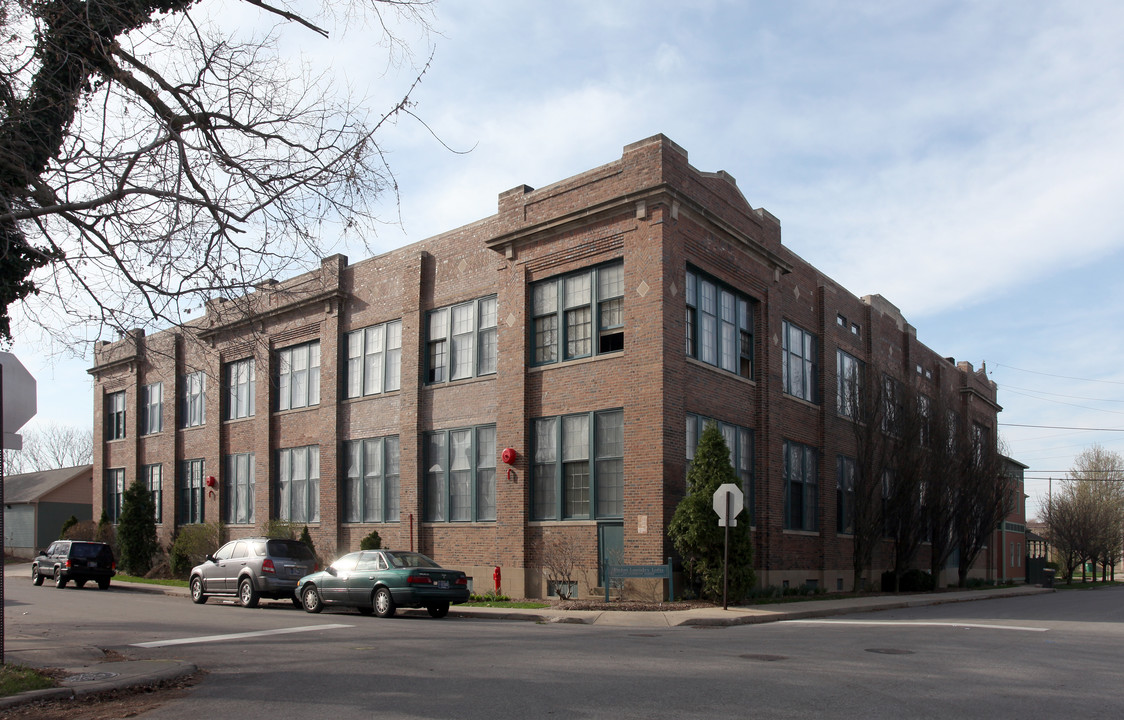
(381, 581)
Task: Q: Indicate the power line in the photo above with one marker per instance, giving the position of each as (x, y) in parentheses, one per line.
(1062, 427)
(1064, 377)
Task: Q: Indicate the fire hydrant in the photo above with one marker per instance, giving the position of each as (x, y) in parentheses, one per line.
(496, 578)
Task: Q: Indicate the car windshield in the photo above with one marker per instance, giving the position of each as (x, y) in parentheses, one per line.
(410, 559)
(290, 549)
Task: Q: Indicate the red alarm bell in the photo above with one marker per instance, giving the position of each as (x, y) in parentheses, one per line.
(509, 455)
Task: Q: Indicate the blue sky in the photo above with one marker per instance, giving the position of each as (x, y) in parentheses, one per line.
(964, 160)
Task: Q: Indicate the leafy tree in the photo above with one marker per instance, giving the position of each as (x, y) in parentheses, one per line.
(105, 532)
(1085, 514)
(152, 157)
(306, 538)
(694, 529)
(136, 530)
(983, 493)
(192, 544)
(70, 522)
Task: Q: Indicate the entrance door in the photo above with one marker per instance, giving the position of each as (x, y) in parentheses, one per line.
(610, 548)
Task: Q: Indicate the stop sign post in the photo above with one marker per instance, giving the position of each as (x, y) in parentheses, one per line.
(728, 503)
(17, 406)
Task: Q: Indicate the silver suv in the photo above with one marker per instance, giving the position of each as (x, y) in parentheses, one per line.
(253, 568)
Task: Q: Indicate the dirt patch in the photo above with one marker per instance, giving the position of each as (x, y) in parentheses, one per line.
(104, 706)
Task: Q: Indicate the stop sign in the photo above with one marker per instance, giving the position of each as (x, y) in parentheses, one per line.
(728, 496)
(19, 398)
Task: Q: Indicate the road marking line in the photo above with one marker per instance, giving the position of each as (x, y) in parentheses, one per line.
(919, 623)
(236, 636)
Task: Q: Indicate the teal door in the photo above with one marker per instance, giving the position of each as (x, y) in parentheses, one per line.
(610, 547)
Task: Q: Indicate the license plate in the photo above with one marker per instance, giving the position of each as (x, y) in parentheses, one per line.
(443, 584)
(92, 563)
(296, 572)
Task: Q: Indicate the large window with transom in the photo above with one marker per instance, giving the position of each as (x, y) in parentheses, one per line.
(719, 324)
(798, 362)
(801, 490)
(238, 489)
(298, 484)
(374, 359)
(298, 376)
(578, 315)
(370, 493)
(578, 466)
(460, 475)
(461, 341)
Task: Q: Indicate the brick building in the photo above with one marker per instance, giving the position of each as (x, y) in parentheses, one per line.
(592, 326)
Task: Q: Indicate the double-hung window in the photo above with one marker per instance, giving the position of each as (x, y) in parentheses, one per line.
(578, 315)
(115, 415)
(153, 479)
(370, 494)
(240, 386)
(115, 493)
(298, 379)
(298, 484)
(194, 399)
(374, 359)
(844, 494)
(238, 489)
(739, 441)
(460, 476)
(189, 487)
(798, 362)
(848, 387)
(461, 341)
(152, 408)
(578, 466)
(801, 491)
(719, 324)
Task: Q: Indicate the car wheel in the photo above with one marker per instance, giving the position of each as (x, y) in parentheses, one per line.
(384, 603)
(60, 579)
(439, 609)
(197, 595)
(36, 578)
(79, 583)
(103, 584)
(365, 610)
(247, 595)
(310, 599)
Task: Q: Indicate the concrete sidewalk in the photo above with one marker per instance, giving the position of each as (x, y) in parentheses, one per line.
(89, 671)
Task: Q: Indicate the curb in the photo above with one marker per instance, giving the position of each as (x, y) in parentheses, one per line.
(173, 670)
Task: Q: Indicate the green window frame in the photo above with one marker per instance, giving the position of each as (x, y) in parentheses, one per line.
(298, 484)
(461, 341)
(741, 443)
(114, 493)
(152, 408)
(798, 362)
(460, 475)
(189, 487)
(374, 359)
(238, 489)
(801, 488)
(720, 324)
(580, 314)
(115, 415)
(241, 383)
(154, 480)
(194, 399)
(372, 486)
(298, 376)
(578, 466)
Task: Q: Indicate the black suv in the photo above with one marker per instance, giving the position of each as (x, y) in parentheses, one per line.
(76, 560)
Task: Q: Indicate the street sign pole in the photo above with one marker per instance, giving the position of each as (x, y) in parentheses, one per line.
(726, 557)
(3, 549)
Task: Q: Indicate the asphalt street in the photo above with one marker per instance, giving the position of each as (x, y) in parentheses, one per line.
(1030, 656)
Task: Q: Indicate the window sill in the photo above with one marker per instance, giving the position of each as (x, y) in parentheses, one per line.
(802, 401)
(724, 373)
(576, 361)
(372, 396)
(555, 523)
(802, 533)
(292, 411)
(449, 383)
